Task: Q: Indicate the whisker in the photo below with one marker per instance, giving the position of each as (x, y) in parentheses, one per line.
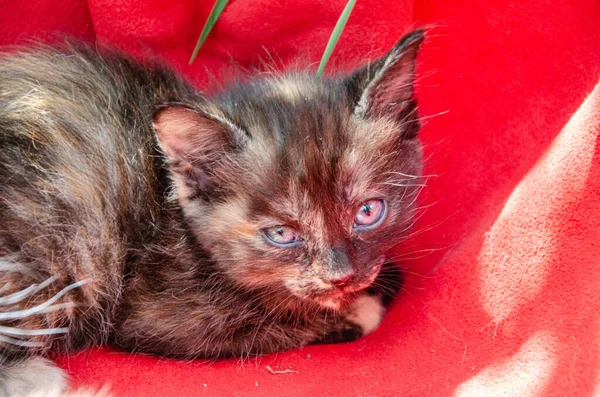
(404, 271)
(60, 306)
(32, 332)
(402, 174)
(434, 115)
(41, 308)
(20, 295)
(412, 258)
(21, 343)
(404, 254)
(402, 185)
(5, 287)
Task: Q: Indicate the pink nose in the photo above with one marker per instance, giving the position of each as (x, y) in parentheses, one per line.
(340, 281)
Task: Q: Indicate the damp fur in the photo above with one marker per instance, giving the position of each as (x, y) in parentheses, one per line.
(133, 207)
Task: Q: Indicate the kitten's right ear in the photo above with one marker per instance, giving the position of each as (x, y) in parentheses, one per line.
(195, 143)
(384, 88)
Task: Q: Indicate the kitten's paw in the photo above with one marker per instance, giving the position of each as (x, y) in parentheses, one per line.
(366, 312)
(346, 332)
(362, 317)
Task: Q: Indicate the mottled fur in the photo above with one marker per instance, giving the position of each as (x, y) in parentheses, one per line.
(131, 207)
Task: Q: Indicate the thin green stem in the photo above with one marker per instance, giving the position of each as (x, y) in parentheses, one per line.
(214, 15)
(335, 35)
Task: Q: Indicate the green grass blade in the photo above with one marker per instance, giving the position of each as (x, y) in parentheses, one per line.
(335, 35)
(215, 13)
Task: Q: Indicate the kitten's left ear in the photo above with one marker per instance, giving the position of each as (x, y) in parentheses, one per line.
(384, 88)
(195, 142)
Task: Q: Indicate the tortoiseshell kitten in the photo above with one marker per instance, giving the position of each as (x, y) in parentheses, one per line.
(139, 213)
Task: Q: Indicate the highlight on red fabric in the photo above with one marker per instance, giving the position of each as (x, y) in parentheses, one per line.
(502, 294)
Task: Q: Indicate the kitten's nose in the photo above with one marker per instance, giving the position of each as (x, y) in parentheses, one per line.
(341, 281)
(339, 271)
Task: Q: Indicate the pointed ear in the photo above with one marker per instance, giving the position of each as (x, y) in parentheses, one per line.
(384, 88)
(195, 143)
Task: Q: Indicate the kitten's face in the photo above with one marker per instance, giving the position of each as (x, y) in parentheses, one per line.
(300, 184)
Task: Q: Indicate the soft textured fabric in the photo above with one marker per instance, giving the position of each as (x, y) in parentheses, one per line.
(503, 289)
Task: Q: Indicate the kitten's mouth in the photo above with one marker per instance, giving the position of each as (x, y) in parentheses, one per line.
(337, 297)
(334, 299)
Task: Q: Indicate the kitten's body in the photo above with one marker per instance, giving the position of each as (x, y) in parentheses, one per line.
(102, 241)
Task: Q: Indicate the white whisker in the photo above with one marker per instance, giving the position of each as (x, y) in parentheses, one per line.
(434, 115)
(32, 332)
(401, 185)
(5, 287)
(18, 342)
(19, 314)
(20, 295)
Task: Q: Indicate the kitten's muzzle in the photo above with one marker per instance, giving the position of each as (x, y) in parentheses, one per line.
(339, 271)
(364, 280)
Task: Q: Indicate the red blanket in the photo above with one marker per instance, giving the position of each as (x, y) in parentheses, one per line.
(503, 294)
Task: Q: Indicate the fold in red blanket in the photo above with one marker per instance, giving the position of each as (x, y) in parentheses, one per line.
(503, 293)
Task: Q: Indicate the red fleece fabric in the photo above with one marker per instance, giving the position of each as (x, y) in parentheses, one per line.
(503, 289)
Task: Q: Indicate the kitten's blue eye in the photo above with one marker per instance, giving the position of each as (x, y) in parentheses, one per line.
(282, 236)
(370, 215)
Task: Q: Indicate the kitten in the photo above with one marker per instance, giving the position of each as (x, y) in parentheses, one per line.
(139, 213)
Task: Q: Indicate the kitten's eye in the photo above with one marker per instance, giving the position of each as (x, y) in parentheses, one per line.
(282, 236)
(370, 215)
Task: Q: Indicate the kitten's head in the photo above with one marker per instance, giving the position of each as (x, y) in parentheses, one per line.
(297, 183)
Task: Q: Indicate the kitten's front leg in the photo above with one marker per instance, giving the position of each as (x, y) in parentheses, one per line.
(364, 315)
